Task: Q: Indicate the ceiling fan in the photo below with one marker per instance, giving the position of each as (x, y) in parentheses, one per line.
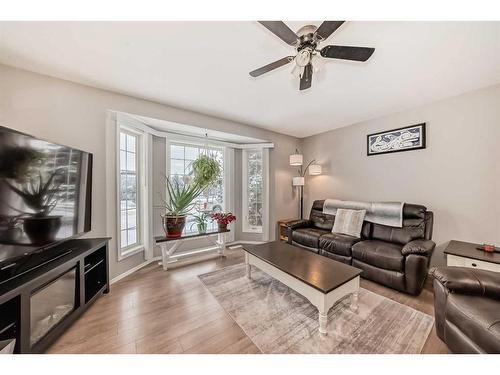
(306, 42)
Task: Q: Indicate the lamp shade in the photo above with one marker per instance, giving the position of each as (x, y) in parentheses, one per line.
(314, 169)
(296, 159)
(298, 181)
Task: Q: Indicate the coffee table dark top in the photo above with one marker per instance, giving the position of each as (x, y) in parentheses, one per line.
(315, 270)
(468, 250)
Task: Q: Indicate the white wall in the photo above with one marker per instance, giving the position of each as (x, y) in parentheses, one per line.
(75, 115)
(457, 176)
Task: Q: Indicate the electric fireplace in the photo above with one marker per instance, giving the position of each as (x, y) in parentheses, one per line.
(51, 304)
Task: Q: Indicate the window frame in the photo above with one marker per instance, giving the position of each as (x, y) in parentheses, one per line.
(245, 225)
(226, 185)
(139, 246)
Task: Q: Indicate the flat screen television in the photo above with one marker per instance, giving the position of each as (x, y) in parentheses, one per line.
(45, 195)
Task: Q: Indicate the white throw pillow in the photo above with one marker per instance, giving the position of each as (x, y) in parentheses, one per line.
(349, 222)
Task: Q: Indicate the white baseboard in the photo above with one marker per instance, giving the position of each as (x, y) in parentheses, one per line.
(134, 269)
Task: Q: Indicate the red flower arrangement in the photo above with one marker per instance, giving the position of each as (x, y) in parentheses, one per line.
(222, 218)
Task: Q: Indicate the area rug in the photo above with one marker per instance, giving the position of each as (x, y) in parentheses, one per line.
(279, 320)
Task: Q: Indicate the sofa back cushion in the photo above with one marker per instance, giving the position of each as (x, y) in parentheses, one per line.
(417, 224)
(319, 219)
(414, 226)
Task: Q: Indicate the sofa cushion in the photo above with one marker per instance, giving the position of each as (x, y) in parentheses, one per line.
(380, 254)
(392, 279)
(402, 235)
(414, 225)
(338, 258)
(335, 243)
(478, 318)
(321, 220)
(308, 236)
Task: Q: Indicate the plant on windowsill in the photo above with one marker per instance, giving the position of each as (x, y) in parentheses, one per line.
(201, 221)
(223, 219)
(183, 192)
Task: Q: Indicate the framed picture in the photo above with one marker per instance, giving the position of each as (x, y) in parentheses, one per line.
(396, 140)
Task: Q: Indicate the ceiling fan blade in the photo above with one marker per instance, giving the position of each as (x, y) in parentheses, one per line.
(306, 79)
(347, 52)
(272, 66)
(327, 28)
(281, 30)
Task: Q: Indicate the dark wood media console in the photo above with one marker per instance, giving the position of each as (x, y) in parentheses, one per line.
(38, 306)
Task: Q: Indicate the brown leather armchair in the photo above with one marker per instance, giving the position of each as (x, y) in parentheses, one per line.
(467, 309)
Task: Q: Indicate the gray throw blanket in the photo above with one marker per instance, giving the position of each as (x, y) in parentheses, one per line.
(385, 213)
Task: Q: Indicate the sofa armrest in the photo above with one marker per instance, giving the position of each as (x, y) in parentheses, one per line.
(471, 281)
(299, 224)
(416, 271)
(419, 247)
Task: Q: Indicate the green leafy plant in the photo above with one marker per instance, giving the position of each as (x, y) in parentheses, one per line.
(181, 196)
(206, 170)
(201, 221)
(39, 194)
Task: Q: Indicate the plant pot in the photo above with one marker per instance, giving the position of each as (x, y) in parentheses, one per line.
(202, 228)
(222, 227)
(173, 225)
(41, 229)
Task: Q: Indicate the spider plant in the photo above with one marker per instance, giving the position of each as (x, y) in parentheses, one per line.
(201, 221)
(206, 170)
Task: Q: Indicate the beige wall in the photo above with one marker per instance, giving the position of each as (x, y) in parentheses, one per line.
(75, 115)
(457, 176)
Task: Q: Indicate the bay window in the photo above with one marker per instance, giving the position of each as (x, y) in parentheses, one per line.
(129, 184)
(182, 156)
(253, 190)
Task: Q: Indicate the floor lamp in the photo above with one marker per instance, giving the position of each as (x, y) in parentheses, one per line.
(297, 160)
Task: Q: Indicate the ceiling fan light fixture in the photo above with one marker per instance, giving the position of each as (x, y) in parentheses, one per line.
(308, 55)
(303, 58)
(297, 71)
(317, 62)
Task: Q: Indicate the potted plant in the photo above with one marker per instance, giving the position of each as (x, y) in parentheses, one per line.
(223, 219)
(41, 196)
(206, 170)
(201, 221)
(180, 201)
(182, 193)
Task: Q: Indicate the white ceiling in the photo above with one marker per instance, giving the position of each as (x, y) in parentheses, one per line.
(203, 66)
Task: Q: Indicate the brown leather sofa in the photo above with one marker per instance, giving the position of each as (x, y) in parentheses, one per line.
(467, 309)
(395, 257)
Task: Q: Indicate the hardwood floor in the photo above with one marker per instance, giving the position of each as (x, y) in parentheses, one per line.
(153, 311)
